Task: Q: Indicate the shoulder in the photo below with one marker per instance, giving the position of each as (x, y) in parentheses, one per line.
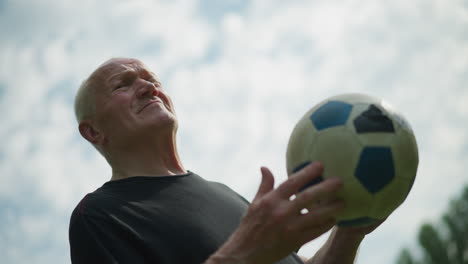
(212, 185)
(227, 191)
(221, 186)
(96, 205)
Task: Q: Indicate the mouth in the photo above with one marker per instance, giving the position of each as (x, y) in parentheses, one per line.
(153, 101)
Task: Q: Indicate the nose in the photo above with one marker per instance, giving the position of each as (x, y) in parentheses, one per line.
(147, 89)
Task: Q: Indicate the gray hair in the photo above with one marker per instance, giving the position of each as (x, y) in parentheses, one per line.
(85, 104)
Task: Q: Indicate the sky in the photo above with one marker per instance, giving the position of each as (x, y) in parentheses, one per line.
(241, 73)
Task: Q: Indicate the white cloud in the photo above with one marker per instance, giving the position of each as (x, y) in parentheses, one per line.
(272, 61)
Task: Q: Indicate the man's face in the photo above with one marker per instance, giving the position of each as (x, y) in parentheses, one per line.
(131, 105)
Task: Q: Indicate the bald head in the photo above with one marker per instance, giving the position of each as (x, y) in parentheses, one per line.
(85, 101)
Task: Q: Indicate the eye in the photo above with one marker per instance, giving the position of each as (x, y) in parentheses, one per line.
(118, 86)
(122, 84)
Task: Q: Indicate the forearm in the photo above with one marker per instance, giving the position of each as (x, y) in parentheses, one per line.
(227, 255)
(220, 259)
(340, 248)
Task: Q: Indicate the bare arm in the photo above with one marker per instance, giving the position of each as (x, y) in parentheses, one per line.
(340, 248)
(274, 226)
(342, 245)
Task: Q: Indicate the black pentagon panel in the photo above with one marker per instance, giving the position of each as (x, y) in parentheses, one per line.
(357, 222)
(333, 113)
(373, 120)
(375, 168)
(301, 166)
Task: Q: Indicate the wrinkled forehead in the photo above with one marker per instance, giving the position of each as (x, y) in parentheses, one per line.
(114, 66)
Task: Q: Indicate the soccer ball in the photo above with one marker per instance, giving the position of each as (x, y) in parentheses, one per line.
(366, 143)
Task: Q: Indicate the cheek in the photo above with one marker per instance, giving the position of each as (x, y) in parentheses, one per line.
(114, 118)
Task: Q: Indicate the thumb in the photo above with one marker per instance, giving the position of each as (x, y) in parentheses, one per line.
(267, 183)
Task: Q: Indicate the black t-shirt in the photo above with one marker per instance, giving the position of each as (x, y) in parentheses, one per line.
(171, 219)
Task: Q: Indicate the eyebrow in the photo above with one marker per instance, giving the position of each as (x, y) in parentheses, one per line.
(127, 71)
(120, 74)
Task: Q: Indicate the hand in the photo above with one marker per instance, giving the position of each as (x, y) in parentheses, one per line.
(359, 231)
(342, 245)
(274, 226)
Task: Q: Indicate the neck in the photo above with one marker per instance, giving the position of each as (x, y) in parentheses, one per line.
(154, 158)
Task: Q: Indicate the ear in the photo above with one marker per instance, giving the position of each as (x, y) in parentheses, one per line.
(90, 133)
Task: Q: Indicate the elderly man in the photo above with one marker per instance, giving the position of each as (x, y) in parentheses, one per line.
(153, 210)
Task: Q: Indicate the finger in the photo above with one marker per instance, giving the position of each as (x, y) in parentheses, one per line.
(317, 230)
(266, 184)
(321, 215)
(317, 194)
(319, 202)
(299, 179)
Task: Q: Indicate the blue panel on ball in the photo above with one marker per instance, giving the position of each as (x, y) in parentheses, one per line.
(363, 221)
(333, 113)
(311, 183)
(375, 168)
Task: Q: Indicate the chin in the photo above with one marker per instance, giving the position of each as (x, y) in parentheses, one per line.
(165, 121)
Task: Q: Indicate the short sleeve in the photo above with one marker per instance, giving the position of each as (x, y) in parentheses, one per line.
(94, 240)
(86, 244)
